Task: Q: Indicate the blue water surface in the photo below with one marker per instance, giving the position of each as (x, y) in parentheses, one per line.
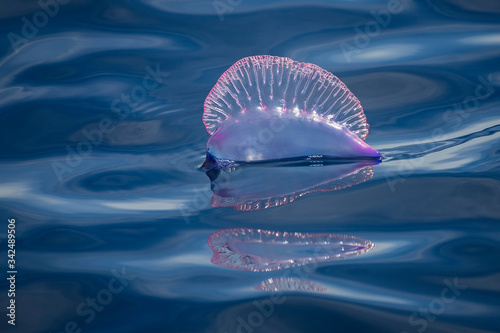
(102, 139)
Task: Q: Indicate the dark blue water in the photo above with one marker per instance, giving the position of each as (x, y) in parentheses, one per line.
(101, 140)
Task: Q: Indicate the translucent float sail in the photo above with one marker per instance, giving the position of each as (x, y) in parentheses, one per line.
(259, 250)
(272, 108)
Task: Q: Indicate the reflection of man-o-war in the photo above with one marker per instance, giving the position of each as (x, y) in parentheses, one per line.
(267, 108)
(270, 185)
(290, 284)
(259, 250)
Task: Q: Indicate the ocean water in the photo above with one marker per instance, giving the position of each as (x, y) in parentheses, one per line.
(102, 139)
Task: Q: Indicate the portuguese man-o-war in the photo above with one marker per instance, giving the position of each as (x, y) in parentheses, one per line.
(267, 108)
(259, 250)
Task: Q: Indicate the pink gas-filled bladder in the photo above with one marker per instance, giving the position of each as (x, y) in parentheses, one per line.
(267, 108)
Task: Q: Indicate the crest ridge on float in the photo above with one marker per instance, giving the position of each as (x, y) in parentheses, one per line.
(282, 86)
